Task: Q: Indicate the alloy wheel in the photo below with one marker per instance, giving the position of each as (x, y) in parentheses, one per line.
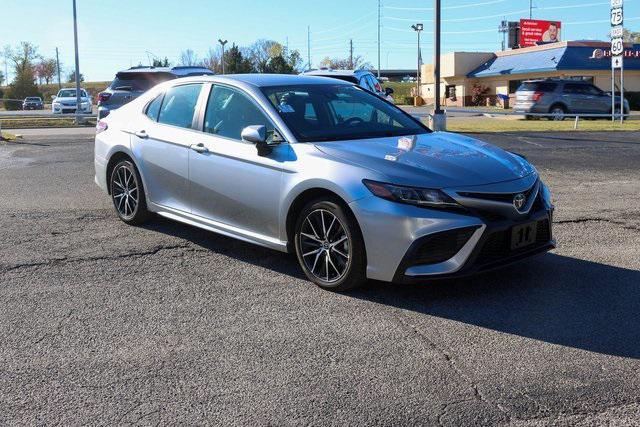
(325, 246)
(557, 114)
(124, 190)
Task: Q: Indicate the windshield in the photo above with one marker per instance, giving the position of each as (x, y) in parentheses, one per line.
(327, 112)
(71, 93)
(32, 98)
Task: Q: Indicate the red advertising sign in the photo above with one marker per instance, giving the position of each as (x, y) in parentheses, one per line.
(535, 31)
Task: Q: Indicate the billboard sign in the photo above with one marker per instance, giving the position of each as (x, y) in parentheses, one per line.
(536, 31)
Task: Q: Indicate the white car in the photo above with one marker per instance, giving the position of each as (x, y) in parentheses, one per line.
(65, 102)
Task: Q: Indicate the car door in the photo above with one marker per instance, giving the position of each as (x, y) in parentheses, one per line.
(576, 98)
(229, 182)
(598, 102)
(161, 145)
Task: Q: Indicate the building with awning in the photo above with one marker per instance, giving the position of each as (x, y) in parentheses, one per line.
(500, 73)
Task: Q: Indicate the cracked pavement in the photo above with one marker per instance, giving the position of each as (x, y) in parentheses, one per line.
(102, 323)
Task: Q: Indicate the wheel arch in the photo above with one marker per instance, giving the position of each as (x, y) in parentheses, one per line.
(559, 104)
(114, 158)
(301, 200)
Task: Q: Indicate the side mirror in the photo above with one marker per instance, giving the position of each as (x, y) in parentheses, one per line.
(257, 134)
(388, 91)
(53, 97)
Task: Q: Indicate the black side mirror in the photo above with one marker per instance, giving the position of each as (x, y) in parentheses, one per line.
(388, 91)
(257, 134)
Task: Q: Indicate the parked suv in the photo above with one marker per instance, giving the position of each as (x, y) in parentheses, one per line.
(130, 84)
(363, 78)
(562, 97)
(32, 103)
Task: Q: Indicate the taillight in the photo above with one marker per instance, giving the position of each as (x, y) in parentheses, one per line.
(101, 126)
(537, 95)
(103, 97)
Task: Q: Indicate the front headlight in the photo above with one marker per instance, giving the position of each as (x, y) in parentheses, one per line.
(425, 197)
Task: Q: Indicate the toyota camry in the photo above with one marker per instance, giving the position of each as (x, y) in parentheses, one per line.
(355, 186)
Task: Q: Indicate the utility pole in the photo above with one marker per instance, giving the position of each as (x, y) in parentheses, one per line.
(351, 54)
(308, 47)
(379, 41)
(75, 40)
(504, 29)
(530, 9)
(418, 28)
(439, 119)
(58, 69)
(222, 43)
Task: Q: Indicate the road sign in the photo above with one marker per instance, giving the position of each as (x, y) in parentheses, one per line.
(616, 62)
(616, 16)
(616, 3)
(617, 46)
(617, 31)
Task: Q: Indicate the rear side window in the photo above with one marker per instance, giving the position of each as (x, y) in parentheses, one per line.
(139, 82)
(537, 87)
(154, 108)
(575, 88)
(179, 105)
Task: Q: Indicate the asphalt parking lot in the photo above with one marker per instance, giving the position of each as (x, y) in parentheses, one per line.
(103, 323)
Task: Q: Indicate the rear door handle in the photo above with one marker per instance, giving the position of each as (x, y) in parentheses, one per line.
(142, 134)
(199, 148)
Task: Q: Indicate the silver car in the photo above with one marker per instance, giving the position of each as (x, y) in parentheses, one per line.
(556, 98)
(353, 185)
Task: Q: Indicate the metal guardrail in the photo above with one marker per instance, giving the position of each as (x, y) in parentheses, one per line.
(575, 116)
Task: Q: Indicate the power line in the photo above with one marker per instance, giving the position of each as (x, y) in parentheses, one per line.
(462, 6)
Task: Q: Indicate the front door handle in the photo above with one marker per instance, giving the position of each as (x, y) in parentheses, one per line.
(142, 134)
(199, 148)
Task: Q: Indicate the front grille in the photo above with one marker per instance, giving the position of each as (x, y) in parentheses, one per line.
(442, 246)
(497, 246)
(498, 197)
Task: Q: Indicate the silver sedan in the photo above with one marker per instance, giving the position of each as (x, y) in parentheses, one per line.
(354, 186)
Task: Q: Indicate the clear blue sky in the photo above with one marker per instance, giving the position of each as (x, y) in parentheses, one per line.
(114, 34)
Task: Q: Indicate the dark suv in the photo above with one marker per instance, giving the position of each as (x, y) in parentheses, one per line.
(130, 84)
(561, 97)
(32, 103)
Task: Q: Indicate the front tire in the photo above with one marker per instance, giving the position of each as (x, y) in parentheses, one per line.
(329, 246)
(127, 193)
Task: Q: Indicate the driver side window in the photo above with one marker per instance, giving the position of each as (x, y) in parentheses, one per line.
(229, 111)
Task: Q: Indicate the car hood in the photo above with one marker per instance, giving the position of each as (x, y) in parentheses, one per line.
(437, 160)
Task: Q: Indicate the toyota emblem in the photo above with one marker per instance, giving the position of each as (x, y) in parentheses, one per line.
(519, 201)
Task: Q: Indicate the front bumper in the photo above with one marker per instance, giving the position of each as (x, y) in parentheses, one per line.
(68, 109)
(396, 237)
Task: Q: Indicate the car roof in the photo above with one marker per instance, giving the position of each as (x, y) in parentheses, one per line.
(331, 72)
(265, 80)
(181, 70)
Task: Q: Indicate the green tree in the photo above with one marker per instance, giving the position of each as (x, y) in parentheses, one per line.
(1, 78)
(71, 78)
(161, 62)
(236, 63)
(278, 65)
(24, 83)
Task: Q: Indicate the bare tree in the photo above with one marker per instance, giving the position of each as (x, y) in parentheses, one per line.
(345, 63)
(46, 69)
(189, 58)
(213, 61)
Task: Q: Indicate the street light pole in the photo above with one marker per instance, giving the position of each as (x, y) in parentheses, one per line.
(439, 119)
(418, 28)
(75, 40)
(379, 40)
(222, 42)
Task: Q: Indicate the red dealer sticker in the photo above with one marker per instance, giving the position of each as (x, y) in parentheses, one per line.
(535, 31)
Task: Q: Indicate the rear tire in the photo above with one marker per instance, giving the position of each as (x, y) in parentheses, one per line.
(557, 113)
(127, 193)
(329, 246)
